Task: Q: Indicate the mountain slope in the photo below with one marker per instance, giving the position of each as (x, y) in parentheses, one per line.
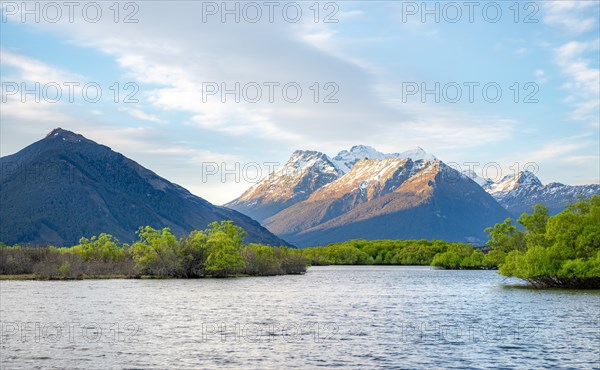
(391, 198)
(523, 179)
(518, 193)
(65, 186)
(305, 172)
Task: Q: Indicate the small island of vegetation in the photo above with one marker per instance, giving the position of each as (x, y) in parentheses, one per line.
(217, 251)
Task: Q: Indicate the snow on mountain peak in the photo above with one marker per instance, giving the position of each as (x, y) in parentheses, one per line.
(481, 181)
(416, 154)
(510, 182)
(308, 165)
(527, 178)
(345, 159)
(305, 160)
(301, 163)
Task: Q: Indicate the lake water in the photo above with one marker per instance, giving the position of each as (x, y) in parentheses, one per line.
(341, 316)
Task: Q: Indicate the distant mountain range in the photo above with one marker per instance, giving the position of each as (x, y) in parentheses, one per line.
(363, 193)
(65, 186)
(519, 192)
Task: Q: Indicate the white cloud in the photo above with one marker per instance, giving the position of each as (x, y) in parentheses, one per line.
(584, 79)
(573, 16)
(139, 114)
(540, 76)
(552, 151)
(33, 70)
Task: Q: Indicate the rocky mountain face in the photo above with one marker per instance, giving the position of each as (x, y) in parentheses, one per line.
(518, 193)
(391, 198)
(363, 193)
(305, 172)
(65, 186)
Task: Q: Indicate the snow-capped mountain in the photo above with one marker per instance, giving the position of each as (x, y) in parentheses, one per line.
(519, 192)
(391, 198)
(416, 154)
(363, 193)
(346, 159)
(304, 173)
(555, 196)
(523, 179)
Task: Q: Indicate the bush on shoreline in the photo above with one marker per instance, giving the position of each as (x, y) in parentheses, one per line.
(217, 251)
(553, 251)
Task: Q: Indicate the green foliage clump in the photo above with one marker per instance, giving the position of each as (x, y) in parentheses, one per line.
(397, 252)
(223, 245)
(64, 269)
(560, 251)
(104, 247)
(156, 252)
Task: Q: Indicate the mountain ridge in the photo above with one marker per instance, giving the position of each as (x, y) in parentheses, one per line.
(408, 200)
(359, 189)
(66, 186)
(518, 192)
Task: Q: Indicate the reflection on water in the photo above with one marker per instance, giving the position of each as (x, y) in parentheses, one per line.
(343, 316)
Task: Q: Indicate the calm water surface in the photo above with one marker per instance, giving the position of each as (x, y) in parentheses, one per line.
(346, 317)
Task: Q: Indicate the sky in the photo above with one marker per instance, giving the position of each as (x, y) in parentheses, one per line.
(212, 95)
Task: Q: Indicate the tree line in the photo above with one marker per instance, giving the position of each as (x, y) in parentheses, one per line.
(218, 251)
(547, 251)
(387, 252)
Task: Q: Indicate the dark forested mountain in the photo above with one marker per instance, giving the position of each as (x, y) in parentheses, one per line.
(65, 186)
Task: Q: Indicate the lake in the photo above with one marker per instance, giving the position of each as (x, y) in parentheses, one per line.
(336, 316)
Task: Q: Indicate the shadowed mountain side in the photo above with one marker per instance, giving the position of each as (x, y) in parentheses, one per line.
(65, 186)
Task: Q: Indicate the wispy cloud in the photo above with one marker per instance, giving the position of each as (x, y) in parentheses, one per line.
(573, 16)
(540, 76)
(33, 70)
(139, 114)
(584, 79)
